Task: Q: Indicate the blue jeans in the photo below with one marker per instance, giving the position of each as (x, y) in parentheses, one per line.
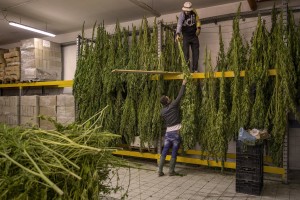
(172, 139)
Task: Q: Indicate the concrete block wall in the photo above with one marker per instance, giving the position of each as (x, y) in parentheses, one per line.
(9, 110)
(65, 109)
(48, 108)
(29, 110)
(58, 107)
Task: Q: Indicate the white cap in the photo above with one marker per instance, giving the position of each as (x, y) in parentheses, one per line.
(187, 6)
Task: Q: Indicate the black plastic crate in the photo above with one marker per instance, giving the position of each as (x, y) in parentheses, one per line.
(250, 176)
(242, 148)
(245, 169)
(246, 160)
(248, 187)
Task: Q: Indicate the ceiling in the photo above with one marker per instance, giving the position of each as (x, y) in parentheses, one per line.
(65, 16)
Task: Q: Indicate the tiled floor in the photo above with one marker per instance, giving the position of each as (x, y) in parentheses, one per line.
(196, 183)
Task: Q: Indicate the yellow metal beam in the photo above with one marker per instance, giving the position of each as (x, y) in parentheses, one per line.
(66, 83)
(227, 74)
(197, 161)
(229, 155)
(136, 154)
(143, 71)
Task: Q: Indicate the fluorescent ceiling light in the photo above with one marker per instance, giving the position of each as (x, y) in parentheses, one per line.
(31, 29)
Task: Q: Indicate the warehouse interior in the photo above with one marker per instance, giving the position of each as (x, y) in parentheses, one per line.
(23, 99)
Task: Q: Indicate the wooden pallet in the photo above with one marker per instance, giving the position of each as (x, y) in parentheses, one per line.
(11, 80)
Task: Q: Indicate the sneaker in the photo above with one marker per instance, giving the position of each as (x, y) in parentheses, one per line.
(195, 71)
(160, 174)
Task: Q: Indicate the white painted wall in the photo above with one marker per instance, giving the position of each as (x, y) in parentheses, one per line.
(69, 64)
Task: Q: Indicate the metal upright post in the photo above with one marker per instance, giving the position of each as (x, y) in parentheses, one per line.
(159, 50)
(285, 156)
(159, 38)
(78, 44)
(19, 106)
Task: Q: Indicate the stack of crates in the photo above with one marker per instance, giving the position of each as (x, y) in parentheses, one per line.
(249, 168)
(2, 65)
(13, 62)
(41, 60)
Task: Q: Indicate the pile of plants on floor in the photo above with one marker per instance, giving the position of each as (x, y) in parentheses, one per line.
(213, 109)
(71, 162)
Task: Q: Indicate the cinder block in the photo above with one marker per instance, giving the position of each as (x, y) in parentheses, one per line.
(29, 111)
(2, 119)
(11, 101)
(65, 100)
(65, 120)
(2, 101)
(46, 125)
(30, 100)
(48, 111)
(46, 101)
(10, 110)
(12, 120)
(29, 121)
(66, 112)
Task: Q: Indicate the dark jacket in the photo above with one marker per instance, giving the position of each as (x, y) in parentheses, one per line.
(171, 112)
(188, 24)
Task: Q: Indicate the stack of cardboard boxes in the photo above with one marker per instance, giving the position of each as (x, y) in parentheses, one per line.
(41, 60)
(13, 62)
(2, 64)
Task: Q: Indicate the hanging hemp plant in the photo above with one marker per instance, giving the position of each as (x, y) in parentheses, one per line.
(100, 63)
(121, 62)
(258, 65)
(283, 98)
(111, 82)
(84, 79)
(170, 62)
(293, 34)
(221, 145)
(208, 137)
(236, 58)
(297, 61)
(221, 121)
(128, 125)
(156, 90)
(144, 107)
(188, 131)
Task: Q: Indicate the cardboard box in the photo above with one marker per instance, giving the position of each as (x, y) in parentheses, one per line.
(41, 60)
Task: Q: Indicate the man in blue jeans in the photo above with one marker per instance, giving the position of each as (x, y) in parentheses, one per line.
(171, 116)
